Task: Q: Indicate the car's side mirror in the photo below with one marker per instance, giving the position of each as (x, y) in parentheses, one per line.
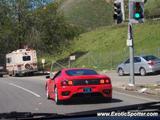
(47, 76)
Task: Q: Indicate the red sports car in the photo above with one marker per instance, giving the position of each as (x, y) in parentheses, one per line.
(68, 83)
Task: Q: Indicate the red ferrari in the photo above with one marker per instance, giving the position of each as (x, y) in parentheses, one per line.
(68, 83)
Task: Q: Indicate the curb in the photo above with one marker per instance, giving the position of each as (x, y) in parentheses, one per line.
(137, 92)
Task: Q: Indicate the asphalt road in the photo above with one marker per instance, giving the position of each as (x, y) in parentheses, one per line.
(27, 94)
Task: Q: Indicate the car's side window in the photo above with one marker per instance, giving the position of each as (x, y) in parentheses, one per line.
(137, 59)
(127, 61)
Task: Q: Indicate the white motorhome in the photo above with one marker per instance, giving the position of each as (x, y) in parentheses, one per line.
(21, 61)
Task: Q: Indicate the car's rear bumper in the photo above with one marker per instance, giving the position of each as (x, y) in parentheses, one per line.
(67, 92)
(153, 69)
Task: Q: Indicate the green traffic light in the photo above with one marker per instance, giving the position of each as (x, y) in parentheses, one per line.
(137, 15)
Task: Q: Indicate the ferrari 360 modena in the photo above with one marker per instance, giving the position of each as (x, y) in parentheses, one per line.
(71, 82)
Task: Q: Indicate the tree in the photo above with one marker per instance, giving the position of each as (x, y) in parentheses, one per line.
(42, 27)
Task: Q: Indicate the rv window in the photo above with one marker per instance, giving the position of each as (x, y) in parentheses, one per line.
(8, 60)
(26, 58)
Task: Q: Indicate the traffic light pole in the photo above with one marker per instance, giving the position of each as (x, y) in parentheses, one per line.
(136, 15)
(122, 9)
(131, 50)
(130, 44)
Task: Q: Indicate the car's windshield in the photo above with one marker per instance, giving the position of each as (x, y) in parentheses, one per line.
(150, 57)
(81, 72)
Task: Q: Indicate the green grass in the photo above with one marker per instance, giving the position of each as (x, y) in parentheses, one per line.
(87, 14)
(105, 47)
(91, 14)
(152, 8)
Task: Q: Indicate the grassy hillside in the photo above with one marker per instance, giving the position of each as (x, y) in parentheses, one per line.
(91, 14)
(88, 13)
(105, 47)
(152, 8)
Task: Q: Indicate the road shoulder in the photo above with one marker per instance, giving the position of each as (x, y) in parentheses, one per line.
(135, 93)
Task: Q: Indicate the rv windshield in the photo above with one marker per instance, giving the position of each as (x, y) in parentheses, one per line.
(26, 58)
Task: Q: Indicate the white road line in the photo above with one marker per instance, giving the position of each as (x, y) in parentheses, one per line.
(29, 91)
(147, 99)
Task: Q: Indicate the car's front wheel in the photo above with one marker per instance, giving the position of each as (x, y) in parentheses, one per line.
(142, 72)
(120, 72)
(56, 99)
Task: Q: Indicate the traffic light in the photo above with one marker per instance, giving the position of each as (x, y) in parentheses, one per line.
(117, 12)
(136, 9)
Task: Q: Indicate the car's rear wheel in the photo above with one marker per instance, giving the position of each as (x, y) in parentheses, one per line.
(120, 72)
(56, 99)
(142, 72)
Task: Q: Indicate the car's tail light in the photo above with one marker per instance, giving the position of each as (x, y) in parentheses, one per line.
(151, 63)
(102, 81)
(70, 82)
(66, 83)
(105, 81)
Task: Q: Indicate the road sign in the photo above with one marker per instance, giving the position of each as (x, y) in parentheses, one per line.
(43, 61)
(129, 43)
(73, 57)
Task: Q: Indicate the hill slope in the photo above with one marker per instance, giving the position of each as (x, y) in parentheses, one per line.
(88, 13)
(152, 8)
(105, 47)
(91, 14)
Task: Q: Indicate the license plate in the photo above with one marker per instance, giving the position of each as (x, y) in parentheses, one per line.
(87, 90)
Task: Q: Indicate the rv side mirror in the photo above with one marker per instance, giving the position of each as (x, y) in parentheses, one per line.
(47, 76)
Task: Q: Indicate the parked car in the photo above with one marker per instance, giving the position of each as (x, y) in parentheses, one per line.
(68, 83)
(142, 64)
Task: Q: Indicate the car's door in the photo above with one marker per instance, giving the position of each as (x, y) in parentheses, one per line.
(126, 66)
(137, 64)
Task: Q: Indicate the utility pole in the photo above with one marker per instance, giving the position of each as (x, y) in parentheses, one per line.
(130, 44)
